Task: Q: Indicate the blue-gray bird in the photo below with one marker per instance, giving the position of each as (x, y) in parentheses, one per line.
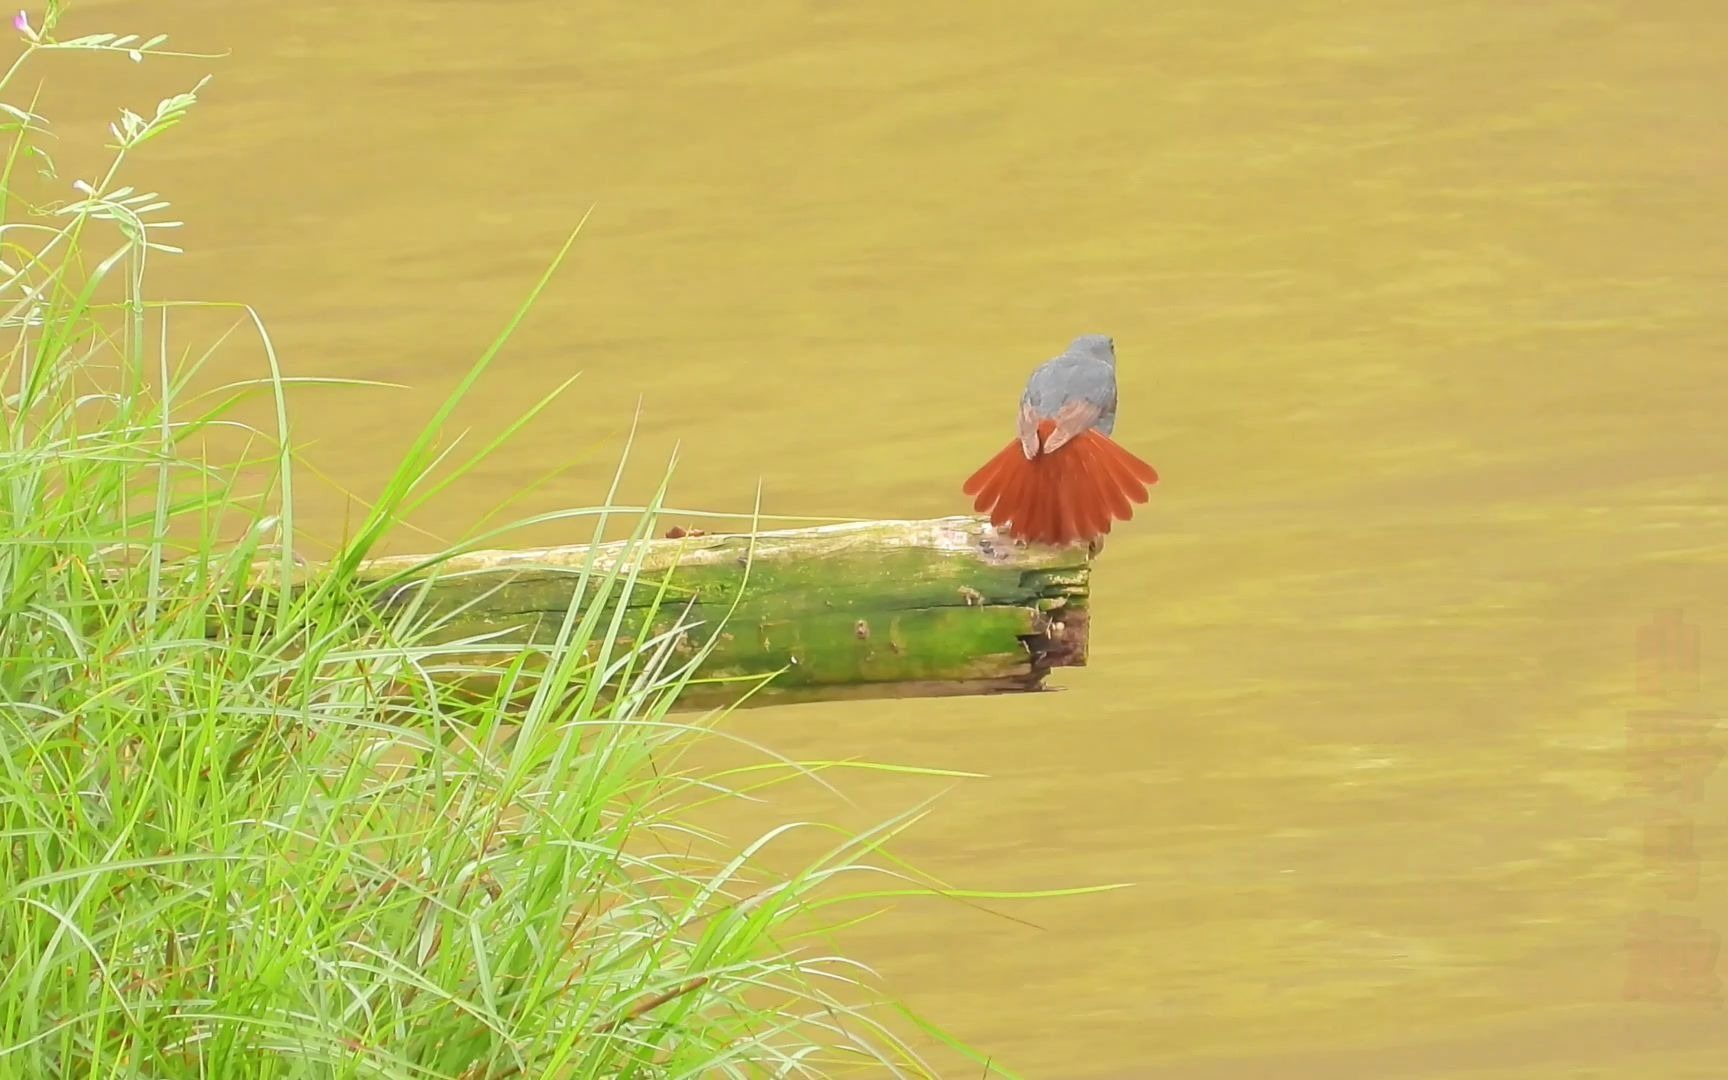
(1062, 480)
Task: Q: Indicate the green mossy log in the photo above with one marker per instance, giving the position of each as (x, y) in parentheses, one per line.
(872, 609)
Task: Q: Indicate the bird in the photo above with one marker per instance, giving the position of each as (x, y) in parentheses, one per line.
(1062, 479)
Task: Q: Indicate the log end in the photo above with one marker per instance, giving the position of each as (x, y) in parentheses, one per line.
(1061, 641)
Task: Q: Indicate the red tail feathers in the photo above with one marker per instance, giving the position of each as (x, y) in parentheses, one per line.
(1066, 497)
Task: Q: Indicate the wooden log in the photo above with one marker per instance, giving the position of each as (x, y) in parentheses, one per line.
(872, 609)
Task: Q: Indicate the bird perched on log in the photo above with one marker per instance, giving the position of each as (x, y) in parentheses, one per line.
(1063, 480)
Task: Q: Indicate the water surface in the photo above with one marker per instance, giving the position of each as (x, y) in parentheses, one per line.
(1419, 311)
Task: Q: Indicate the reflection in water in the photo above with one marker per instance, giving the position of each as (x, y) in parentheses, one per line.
(1418, 311)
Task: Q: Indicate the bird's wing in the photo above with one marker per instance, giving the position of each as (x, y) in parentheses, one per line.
(1028, 430)
(1075, 416)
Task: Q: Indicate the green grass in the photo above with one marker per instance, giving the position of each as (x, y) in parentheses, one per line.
(286, 847)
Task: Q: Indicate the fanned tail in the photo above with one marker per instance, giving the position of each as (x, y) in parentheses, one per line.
(1070, 496)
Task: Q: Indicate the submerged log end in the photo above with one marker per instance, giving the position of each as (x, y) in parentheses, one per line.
(912, 609)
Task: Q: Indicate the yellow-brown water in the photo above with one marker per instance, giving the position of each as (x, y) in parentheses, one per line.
(1419, 312)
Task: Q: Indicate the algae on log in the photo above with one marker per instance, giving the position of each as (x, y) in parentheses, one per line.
(871, 609)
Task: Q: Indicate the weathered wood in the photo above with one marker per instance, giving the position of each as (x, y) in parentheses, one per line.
(873, 609)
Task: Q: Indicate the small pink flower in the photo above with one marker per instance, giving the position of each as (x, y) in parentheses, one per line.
(21, 23)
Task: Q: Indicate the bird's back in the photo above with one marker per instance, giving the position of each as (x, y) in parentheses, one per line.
(1086, 371)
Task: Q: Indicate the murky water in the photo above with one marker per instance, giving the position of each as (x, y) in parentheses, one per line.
(1419, 310)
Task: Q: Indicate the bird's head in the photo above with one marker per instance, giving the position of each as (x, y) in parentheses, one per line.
(1094, 347)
